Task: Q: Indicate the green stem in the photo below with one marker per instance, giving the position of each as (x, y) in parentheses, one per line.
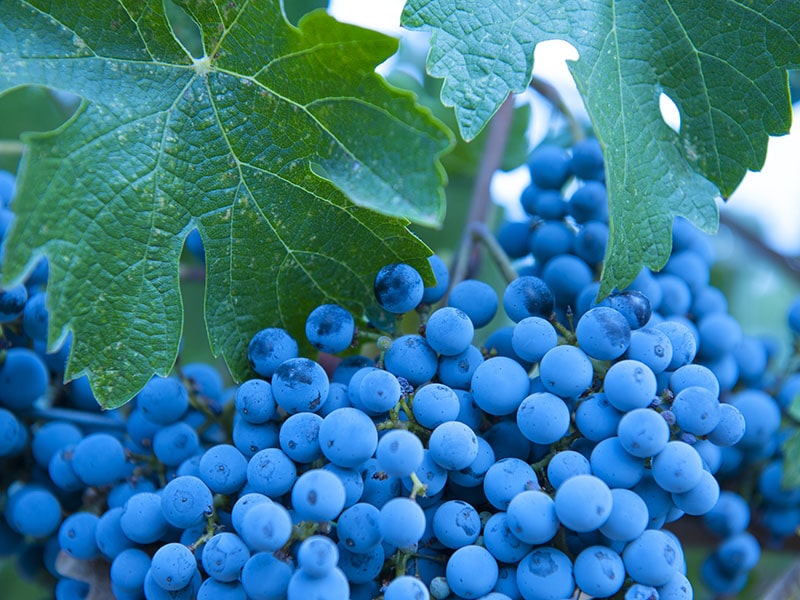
(11, 147)
(481, 232)
(419, 488)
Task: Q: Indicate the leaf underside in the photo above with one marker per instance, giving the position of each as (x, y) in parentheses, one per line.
(273, 147)
(722, 62)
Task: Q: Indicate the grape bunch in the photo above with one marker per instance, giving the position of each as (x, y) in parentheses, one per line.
(546, 462)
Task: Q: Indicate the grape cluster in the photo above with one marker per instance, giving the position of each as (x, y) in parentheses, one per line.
(545, 461)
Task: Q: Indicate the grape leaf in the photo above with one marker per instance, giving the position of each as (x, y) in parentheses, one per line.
(791, 464)
(273, 145)
(722, 62)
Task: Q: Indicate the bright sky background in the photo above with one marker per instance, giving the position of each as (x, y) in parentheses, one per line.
(770, 197)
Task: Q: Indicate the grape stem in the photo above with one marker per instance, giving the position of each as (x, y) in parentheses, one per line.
(77, 417)
(11, 148)
(468, 257)
(550, 93)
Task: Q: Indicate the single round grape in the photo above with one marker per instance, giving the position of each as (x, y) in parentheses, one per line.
(363, 567)
(586, 161)
(583, 503)
(331, 586)
(175, 443)
(761, 416)
(449, 331)
(33, 511)
(129, 568)
(566, 464)
(701, 498)
(186, 501)
(629, 384)
(211, 589)
(330, 328)
(266, 527)
(173, 566)
(549, 166)
(270, 347)
(318, 496)
(14, 439)
(599, 571)
(456, 523)
(400, 452)
(511, 235)
(652, 558)
(591, 243)
(696, 410)
(684, 344)
(412, 358)
(628, 518)
(402, 522)
(720, 334)
(596, 418)
(223, 469)
(163, 400)
(643, 432)
(358, 527)
(531, 517)
(406, 587)
(533, 337)
(23, 378)
(545, 574)
(265, 577)
(678, 468)
(35, 317)
(347, 437)
(300, 384)
(475, 298)
(566, 276)
(453, 445)
(12, 302)
(271, 472)
(528, 296)
(499, 385)
(589, 202)
(254, 401)
(99, 459)
(505, 479)
(110, 538)
(142, 519)
(566, 371)
(652, 347)
(543, 418)
(471, 571)
(76, 536)
(549, 240)
(398, 288)
(379, 391)
(435, 404)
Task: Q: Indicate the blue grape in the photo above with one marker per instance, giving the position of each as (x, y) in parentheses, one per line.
(499, 344)
(318, 495)
(720, 334)
(47, 440)
(701, 498)
(629, 384)
(677, 588)
(549, 166)
(549, 204)
(473, 474)
(204, 380)
(398, 288)
(175, 443)
(676, 297)
(435, 404)
(379, 392)
(449, 331)
(453, 445)
(643, 432)
(347, 437)
(402, 522)
(265, 577)
(224, 556)
(23, 378)
(693, 375)
(358, 527)
(549, 240)
(242, 505)
(476, 299)
(652, 558)
(793, 316)
(690, 267)
(412, 358)
(406, 587)
(678, 468)
(186, 501)
(268, 348)
(300, 384)
(271, 472)
(751, 356)
(543, 418)
(266, 527)
(249, 438)
(566, 371)
(399, 452)
(599, 571)
(586, 161)
(142, 519)
(772, 488)
(12, 302)
(696, 410)
(14, 439)
(629, 516)
(566, 276)
(566, 464)
(363, 567)
(379, 487)
(499, 385)
(591, 243)
(109, 537)
(350, 479)
(583, 503)
(730, 515)
(299, 437)
(456, 371)
(153, 591)
(505, 479)
(223, 469)
(528, 296)
(652, 347)
(545, 574)
(456, 523)
(533, 337)
(738, 553)
(596, 418)
(330, 328)
(254, 401)
(129, 568)
(349, 366)
(471, 571)
(35, 317)
(76, 536)
(163, 400)
(338, 397)
(173, 566)
(332, 586)
(684, 344)
(219, 590)
(33, 511)
(589, 203)
(99, 459)
(435, 293)
(532, 518)
(761, 415)
(511, 235)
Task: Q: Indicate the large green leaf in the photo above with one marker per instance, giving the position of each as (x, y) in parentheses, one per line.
(274, 144)
(722, 62)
